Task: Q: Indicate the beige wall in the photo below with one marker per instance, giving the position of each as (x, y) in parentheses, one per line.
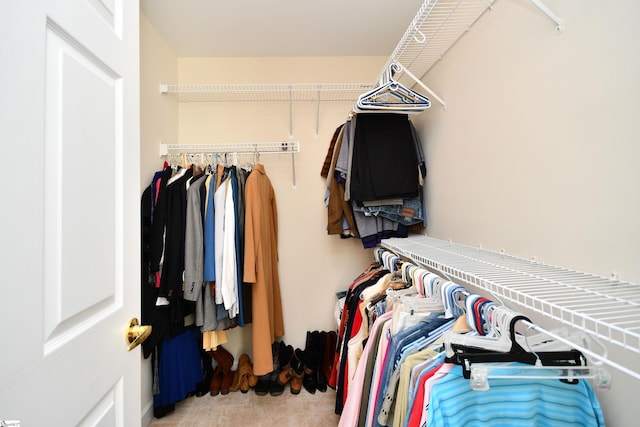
(158, 114)
(313, 266)
(158, 122)
(537, 150)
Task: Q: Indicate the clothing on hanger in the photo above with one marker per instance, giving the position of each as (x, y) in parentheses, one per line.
(405, 375)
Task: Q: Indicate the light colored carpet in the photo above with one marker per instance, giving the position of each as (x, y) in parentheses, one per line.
(248, 410)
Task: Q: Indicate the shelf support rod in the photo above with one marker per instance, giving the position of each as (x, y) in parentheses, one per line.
(293, 169)
(555, 18)
(422, 85)
(290, 111)
(318, 112)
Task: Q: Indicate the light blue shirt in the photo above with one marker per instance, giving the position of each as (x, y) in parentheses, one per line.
(513, 402)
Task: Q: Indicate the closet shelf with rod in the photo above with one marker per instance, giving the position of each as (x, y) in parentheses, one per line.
(436, 27)
(285, 92)
(256, 148)
(265, 92)
(605, 308)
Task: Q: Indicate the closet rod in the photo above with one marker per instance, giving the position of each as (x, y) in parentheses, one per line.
(279, 147)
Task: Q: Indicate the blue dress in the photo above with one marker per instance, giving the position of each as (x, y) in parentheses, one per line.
(179, 368)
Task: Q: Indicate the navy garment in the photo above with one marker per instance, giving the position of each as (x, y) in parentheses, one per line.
(385, 161)
(209, 273)
(179, 367)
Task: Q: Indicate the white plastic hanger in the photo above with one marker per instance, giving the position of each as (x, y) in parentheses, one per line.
(392, 96)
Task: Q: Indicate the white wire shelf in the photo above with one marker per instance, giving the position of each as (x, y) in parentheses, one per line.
(193, 152)
(436, 27)
(606, 308)
(266, 92)
(281, 92)
(279, 147)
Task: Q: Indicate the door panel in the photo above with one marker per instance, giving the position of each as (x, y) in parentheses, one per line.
(70, 239)
(80, 268)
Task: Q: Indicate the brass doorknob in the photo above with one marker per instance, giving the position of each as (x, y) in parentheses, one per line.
(136, 333)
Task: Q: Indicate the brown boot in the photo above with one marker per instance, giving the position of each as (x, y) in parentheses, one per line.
(226, 363)
(244, 369)
(237, 379)
(251, 378)
(296, 371)
(285, 364)
(216, 378)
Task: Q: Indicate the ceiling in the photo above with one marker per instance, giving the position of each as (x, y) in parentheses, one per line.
(255, 28)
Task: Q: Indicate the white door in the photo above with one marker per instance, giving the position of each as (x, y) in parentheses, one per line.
(69, 212)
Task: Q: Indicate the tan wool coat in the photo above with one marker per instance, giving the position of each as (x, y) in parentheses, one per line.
(261, 267)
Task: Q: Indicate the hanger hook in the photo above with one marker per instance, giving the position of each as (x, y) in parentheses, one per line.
(423, 38)
(526, 342)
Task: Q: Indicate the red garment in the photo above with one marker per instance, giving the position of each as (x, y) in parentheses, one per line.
(332, 381)
(418, 402)
(357, 323)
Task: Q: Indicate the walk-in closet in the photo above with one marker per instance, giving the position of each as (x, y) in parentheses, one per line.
(360, 213)
(524, 114)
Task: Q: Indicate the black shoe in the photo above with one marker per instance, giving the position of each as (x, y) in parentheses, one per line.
(262, 387)
(311, 362)
(321, 381)
(202, 388)
(275, 388)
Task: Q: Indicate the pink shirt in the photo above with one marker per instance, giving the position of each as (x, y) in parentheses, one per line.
(351, 410)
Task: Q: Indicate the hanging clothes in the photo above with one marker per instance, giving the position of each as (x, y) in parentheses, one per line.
(193, 252)
(261, 267)
(173, 264)
(340, 215)
(403, 377)
(384, 160)
(375, 172)
(544, 403)
(194, 241)
(179, 368)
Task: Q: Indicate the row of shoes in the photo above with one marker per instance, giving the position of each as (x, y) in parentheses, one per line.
(308, 368)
